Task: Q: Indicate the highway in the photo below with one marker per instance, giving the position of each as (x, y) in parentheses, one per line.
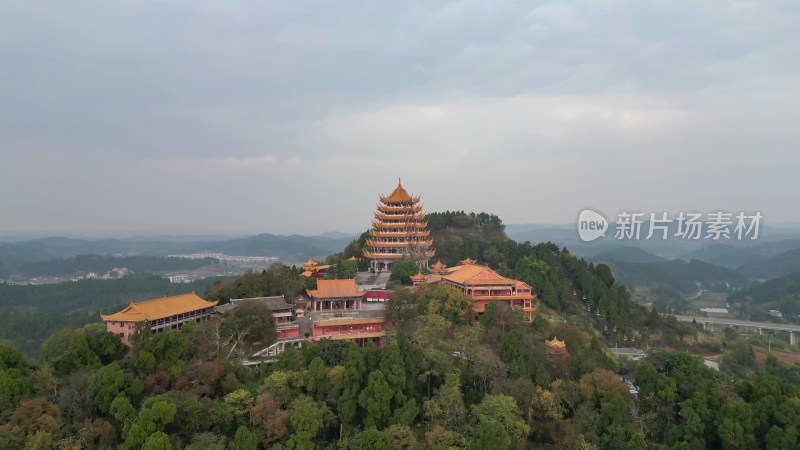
(741, 323)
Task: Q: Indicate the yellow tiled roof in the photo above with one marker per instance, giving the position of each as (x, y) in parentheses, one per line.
(339, 337)
(399, 195)
(333, 323)
(160, 308)
(471, 274)
(335, 289)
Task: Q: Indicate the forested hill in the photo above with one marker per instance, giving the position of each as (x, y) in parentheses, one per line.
(441, 381)
(83, 264)
(564, 284)
(781, 293)
(92, 295)
(32, 313)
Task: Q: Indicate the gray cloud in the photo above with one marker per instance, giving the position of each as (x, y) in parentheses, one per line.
(294, 116)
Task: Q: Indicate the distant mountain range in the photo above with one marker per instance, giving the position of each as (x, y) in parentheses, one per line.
(775, 253)
(294, 248)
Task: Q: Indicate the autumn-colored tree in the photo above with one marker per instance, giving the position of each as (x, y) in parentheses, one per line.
(600, 386)
(269, 420)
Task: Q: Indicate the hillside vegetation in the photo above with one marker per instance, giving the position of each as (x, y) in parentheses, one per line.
(782, 294)
(83, 264)
(31, 313)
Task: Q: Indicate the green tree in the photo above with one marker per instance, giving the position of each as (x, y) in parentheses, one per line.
(155, 414)
(316, 378)
(208, 441)
(240, 401)
(350, 382)
(306, 425)
(376, 400)
(13, 384)
(515, 353)
(637, 441)
(68, 350)
(490, 435)
(447, 408)
(157, 441)
(502, 409)
(109, 382)
(372, 439)
(122, 410)
(401, 437)
(402, 270)
(162, 350)
(445, 301)
(542, 377)
(244, 440)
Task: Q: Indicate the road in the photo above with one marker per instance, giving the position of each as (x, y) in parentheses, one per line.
(741, 323)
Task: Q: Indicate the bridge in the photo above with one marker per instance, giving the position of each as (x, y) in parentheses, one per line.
(710, 322)
(270, 354)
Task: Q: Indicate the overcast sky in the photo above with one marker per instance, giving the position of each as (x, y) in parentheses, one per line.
(292, 117)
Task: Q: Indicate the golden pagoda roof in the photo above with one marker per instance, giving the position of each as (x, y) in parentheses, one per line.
(474, 275)
(369, 254)
(399, 225)
(439, 265)
(399, 195)
(418, 276)
(373, 243)
(467, 261)
(352, 258)
(310, 262)
(410, 217)
(384, 208)
(375, 233)
(159, 308)
(335, 289)
(555, 343)
(307, 273)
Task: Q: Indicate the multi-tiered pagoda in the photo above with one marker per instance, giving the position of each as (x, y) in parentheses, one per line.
(398, 231)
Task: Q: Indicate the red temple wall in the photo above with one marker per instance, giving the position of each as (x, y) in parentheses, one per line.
(122, 329)
(288, 332)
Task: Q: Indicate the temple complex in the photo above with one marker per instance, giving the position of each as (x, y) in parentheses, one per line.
(398, 231)
(168, 313)
(335, 312)
(484, 285)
